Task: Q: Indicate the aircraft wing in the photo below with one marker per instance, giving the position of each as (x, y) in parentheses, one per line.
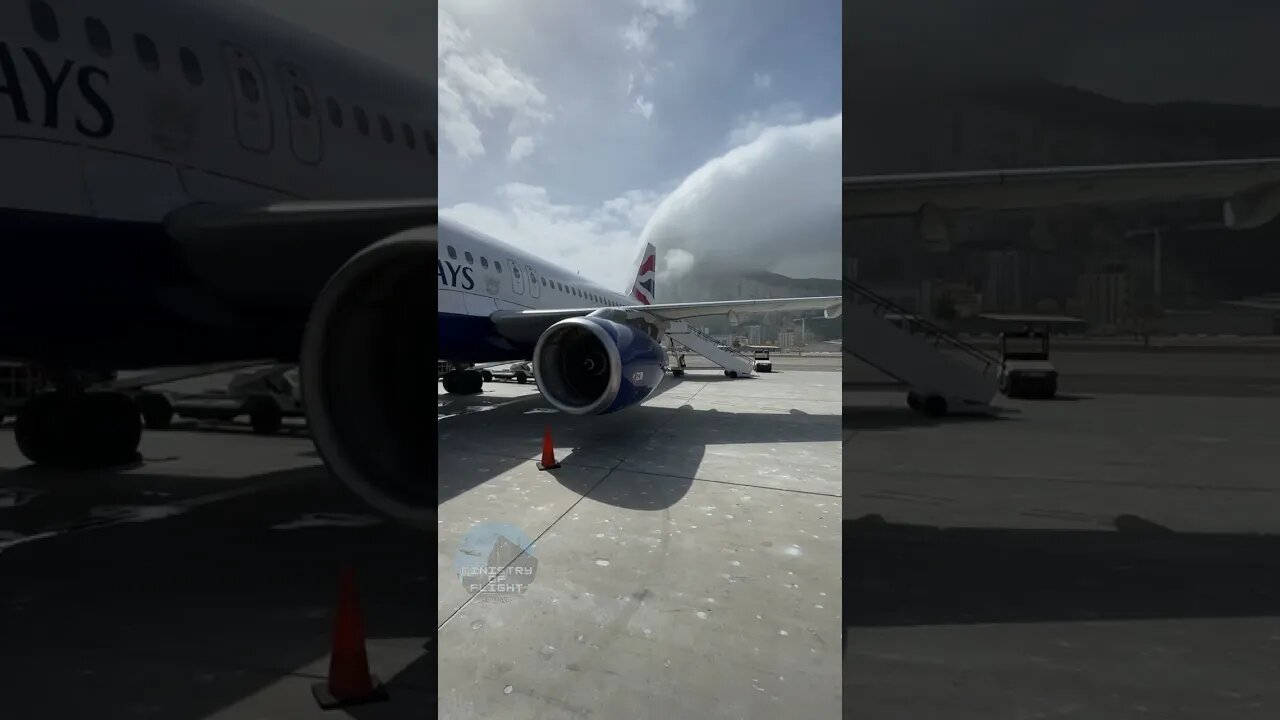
(1250, 189)
(281, 254)
(527, 325)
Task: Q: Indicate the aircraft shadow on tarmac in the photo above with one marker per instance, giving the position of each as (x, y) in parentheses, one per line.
(192, 614)
(892, 418)
(899, 575)
(672, 439)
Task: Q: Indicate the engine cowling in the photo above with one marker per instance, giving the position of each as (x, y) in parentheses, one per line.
(365, 359)
(597, 364)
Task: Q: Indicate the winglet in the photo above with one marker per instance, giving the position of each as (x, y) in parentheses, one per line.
(643, 289)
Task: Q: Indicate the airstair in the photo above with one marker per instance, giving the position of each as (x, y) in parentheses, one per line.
(944, 373)
(734, 363)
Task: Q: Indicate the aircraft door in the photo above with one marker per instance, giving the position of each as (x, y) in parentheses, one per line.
(534, 290)
(517, 277)
(304, 115)
(252, 102)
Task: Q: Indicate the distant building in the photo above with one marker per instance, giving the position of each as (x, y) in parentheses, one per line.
(1107, 298)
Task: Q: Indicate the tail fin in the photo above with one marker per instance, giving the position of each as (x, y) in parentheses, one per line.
(643, 288)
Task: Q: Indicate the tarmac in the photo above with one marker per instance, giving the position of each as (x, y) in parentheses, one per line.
(682, 562)
(200, 582)
(1110, 554)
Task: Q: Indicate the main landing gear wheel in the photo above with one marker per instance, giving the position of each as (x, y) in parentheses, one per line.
(731, 373)
(463, 382)
(91, 429)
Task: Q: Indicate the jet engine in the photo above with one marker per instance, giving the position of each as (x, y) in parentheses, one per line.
(597, 364)
(364, 367)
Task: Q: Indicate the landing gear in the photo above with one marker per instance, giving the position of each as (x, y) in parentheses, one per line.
(932, 406)
(463, 382)
(77, 428)
(731, 373)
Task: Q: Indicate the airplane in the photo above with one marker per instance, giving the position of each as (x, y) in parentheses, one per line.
(595, 350)
(189, 182)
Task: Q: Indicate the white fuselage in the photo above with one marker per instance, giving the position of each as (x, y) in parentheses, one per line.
(477, 275)
(128, 110)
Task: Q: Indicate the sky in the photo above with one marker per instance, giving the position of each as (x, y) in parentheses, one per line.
(581, 129)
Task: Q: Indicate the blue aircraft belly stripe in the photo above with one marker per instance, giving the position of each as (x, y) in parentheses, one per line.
(472, 338)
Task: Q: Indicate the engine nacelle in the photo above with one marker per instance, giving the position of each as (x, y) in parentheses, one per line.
(365, 360)
(596, 364)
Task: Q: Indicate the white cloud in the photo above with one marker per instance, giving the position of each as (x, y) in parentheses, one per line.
(643, 107)
(475, 82)
(749, 127)
(635, 36)
(763, 81)
(678, 11)
(600, 243)
(521, 148)
(772, 204)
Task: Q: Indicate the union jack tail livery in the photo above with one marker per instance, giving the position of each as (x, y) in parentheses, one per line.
(642, 291)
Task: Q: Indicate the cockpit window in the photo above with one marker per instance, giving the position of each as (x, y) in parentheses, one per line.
(410, 137)
(335, 113)
(362, 121)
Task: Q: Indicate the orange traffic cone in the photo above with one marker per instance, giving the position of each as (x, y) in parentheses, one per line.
(349, 680)
(548, 452)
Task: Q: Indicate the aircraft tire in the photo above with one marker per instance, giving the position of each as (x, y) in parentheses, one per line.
(94, 429)
(935, 406)
(731, 373)
(521, 377)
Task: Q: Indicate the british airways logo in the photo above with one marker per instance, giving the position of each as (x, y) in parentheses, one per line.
(44, 101)
(458, 276)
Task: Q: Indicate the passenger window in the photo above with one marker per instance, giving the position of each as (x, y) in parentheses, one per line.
(544, 282)
(484, 262)
(453, 254)
(388, 134)
(191, 67)
(149, 56)
(410, 138)
(99, 37)
(430, 141)
(515, 271)
(362, 121)
(45, 21)
(497, 266)
(335, 113)
(302, 101)
(470, 258)
(249, 86)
